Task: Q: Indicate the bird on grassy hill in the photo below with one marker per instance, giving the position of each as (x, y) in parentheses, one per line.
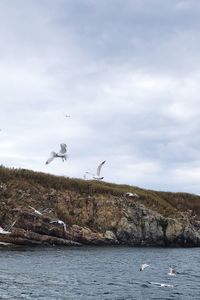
(128, 194)
(97, 176)
(62, 154)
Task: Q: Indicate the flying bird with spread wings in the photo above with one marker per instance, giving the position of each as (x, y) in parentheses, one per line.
(62, 154)
(8, 228)
(97, 175)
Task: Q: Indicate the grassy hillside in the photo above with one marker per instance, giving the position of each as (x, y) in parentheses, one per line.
(35, 185)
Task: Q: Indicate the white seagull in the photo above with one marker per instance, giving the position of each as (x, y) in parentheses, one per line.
(62, 154)
(60, 222)
(128, 194)
(41, 211)
(161, 284)
(144, 266)
(172, 271)
(97, 176)
(3, 231)
(7, 229)
(35, 210)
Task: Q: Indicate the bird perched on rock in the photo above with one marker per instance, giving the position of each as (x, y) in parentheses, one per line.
(62, 154)
(59, 222)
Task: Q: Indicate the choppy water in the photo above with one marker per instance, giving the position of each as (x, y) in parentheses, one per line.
(98, 273)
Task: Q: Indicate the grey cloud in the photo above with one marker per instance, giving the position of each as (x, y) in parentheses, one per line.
(126, 71)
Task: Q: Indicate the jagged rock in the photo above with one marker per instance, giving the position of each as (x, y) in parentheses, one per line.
(87, 236)
(110, 236)
(21, 236)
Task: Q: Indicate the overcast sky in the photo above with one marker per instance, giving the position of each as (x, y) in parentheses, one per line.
(128, 74)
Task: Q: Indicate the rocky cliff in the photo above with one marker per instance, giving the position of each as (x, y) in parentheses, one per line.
(37, 208)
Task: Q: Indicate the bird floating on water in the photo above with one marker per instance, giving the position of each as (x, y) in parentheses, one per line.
(144, 266)
(62, 154)
(172, 271)
(97, 176)
(161, 284)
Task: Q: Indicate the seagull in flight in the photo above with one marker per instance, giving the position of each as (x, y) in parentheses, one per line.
(144, 266)
(62, 154)
(97, 176)
(35, 210)
(3, 231)
(40, 211)
(7, 229)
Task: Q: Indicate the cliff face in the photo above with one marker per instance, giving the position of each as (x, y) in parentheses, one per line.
(93, 213)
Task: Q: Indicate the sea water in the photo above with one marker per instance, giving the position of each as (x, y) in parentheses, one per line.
(98, 273)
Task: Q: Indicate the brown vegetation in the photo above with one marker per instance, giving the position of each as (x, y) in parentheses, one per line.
(25, 185)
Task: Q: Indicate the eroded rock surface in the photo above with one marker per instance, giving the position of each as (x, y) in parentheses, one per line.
(94, 213)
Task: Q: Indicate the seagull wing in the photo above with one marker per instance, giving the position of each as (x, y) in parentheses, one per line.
(61, 222)
(53, 222)
(155, 283)
(99, 168)
(52, 156)
(63, 148)
(45, 210)
(11, 226)
(35, 210)
(32, 207)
